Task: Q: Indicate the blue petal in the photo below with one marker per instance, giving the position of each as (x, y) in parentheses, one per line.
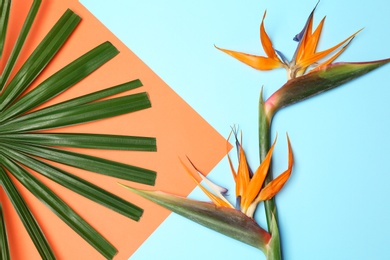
(282, 57)
(299, 36)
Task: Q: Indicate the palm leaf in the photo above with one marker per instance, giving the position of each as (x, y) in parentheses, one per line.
(78, 101)
(93, 141)
(4, 15)
(89, 163)
(81, 114)
(79, 185)
(20, 41)
(23, 148)
(4, 247)
(40, 57)
(60, 208)
(62, 80)
(26, 217)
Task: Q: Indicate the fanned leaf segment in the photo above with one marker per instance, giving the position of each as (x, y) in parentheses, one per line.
(23, 147)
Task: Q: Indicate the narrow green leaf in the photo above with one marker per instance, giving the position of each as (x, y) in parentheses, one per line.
(82, 114)
(79, 186)
(316, 82)
(60, 208)
(85, 99)
(89, 163)
(40, 57)
(62, 80)
(4, 246)
(93, 141)
(20, 42)
(273, 248)
(228, 221)
(4, 17)
(26, 216)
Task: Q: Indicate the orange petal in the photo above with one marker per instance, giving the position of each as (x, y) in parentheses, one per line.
(219, 201)
(257, 62)
(305, 38)
(329, 61)
(275, 185)
(313, 40)
(257, 180)
(266, 42)
(319, 55)
(242, 174)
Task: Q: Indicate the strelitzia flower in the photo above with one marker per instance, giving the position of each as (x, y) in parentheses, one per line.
(309, 72)
(305, 55)
(249, 191)
(219, 214)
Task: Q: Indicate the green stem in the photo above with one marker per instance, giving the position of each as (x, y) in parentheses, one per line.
(270, 205)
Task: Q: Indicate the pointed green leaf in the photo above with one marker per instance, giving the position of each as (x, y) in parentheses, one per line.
(228, 221)
(93, 141)
(26, 217)
(273, 248)
(4, 17)
(81, 114)
(89, 163)
(62, 80)
(85, 99)
(319, 81)
(20, 42)
(4, 247)
(40, 57)
(60, 208)
(79, 185)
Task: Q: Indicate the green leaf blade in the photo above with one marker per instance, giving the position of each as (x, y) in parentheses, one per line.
(26, 216)
(4, 246)
(78, 101)
(4, 18)
(90, 163)
(92, 141)
(80, 186)
(20, 42)
(82, 114)
(61, 209)
(40, 57)
(62, 80)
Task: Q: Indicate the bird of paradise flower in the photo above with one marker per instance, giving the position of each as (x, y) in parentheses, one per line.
(305, 55)
(302, 82)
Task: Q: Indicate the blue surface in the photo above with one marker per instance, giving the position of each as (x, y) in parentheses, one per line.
(335, 206)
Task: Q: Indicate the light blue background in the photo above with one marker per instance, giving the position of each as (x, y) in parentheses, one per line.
(335, 206)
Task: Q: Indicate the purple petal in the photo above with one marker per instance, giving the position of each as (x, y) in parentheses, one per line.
(282, 57)
(299, 36)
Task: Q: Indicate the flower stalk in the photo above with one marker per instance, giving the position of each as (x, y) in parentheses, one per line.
(271, 213)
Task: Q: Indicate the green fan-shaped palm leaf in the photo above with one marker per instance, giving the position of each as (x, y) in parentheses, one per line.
(24, 148)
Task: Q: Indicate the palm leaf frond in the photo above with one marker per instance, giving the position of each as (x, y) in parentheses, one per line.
(62, 80)
(26, 217)
(21, 39)
(4, 16)
(40, 57)
(79, 185)
(60, 208)
(4, 247)
(24, 148)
